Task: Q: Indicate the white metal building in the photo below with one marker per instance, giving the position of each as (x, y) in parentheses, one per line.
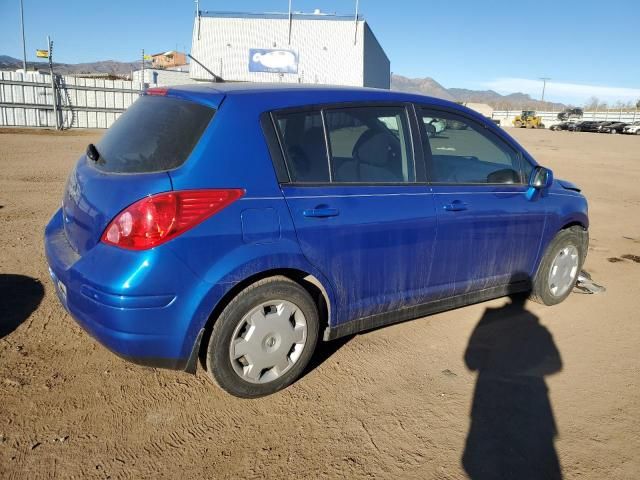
(156, 77)
(276, 47)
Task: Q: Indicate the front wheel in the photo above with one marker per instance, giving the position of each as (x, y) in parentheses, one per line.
(263, 339)
(558, 271)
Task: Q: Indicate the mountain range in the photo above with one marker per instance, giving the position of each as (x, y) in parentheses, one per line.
(424, 86)
(428, 86)
(112, 67)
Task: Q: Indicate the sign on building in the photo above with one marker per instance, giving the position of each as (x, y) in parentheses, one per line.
(273, 60)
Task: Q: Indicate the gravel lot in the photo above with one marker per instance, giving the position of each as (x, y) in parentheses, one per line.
(393, 403)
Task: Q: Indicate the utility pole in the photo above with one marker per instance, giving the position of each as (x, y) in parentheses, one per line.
(24, 47)
(53, 83)
(544, 85)
(143, 79)
(355, 25)
(198, 16)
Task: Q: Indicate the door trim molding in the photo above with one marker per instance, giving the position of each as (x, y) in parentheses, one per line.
(410, 313)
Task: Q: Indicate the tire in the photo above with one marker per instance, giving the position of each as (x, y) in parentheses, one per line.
(613, 131)
(549, 290)
(638, 132)
(254, 376)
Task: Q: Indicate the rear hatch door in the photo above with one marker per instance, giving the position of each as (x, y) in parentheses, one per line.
(155, 135)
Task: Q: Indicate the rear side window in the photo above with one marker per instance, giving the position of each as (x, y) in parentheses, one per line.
(302, 138)
(154, 134)
(370, 145)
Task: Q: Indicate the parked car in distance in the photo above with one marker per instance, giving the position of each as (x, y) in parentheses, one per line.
(242, 223)
(633, 128)
(603, 127)
(590, 126)
(455, 125)
(570, 113)
(613, 127)
(433, 126)
(570, 126)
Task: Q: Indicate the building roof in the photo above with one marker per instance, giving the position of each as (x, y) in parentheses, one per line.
(282, 16)
(170, 52)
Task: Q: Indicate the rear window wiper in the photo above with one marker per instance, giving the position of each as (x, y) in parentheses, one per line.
(92, 152)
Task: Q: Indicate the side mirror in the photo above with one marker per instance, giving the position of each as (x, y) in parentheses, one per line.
(540, 178)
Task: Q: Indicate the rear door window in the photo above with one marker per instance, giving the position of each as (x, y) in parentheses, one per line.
(370, 145)
(304, 146)
(154, 134)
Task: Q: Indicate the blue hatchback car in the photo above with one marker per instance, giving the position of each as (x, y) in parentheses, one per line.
(238, 223)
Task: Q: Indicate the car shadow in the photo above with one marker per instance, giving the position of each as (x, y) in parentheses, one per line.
(512, 429)
(323, 351)
(19, 297)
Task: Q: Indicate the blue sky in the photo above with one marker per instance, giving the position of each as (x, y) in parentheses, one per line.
(587, 47)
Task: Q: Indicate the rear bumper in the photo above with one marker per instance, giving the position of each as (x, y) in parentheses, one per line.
(143, 306)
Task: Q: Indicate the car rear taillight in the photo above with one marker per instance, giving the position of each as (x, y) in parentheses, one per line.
(159, 218)
(160, 92)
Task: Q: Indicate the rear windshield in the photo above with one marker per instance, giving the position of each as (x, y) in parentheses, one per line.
(154, 134)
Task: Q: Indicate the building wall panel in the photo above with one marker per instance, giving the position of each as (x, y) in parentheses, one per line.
(330, 51)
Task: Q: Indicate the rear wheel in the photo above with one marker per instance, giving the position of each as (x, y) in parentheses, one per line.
(263, 339)
(559, 268)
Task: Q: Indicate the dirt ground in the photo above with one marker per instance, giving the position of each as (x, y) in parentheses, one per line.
(392, 403)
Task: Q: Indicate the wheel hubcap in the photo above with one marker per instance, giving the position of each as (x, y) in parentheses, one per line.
(268, 341)
(563, 270)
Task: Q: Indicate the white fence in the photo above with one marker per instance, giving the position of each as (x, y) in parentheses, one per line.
(27, 100)
(506, 117)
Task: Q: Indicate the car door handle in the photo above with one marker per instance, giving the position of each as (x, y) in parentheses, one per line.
(321, 212)
(456, 206)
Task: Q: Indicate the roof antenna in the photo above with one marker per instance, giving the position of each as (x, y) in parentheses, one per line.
(355, 25)
(290, 22)
(216, 78)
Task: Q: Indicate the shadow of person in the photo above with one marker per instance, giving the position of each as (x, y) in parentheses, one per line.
(512, 429)
(19, 297)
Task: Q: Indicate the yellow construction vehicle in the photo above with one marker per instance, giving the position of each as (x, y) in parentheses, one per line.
(528, 119)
